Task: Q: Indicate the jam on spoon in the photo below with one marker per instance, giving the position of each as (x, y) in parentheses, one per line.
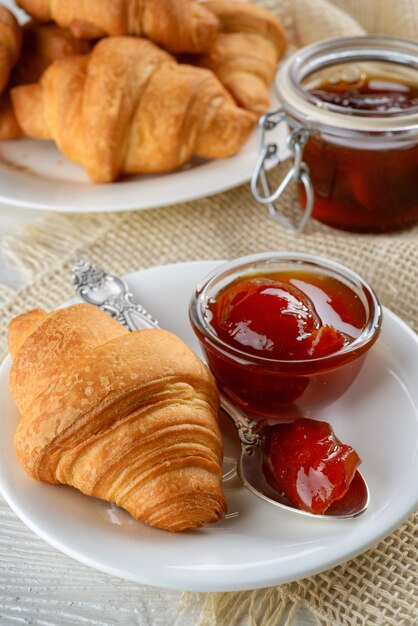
(307, 463)
(349, 495)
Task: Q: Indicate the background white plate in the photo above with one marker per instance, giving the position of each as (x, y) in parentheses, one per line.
(35, 175)
(257, 545)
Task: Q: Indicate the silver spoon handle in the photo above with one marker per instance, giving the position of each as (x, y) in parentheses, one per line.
(111, 294)
(249, 431)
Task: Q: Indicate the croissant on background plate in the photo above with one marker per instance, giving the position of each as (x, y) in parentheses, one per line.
(128, 107)
(41, 45)
(245, 53)
(131, 418)
(178, 25)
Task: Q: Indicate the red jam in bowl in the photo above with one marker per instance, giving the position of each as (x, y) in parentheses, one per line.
(305, 462)
(284, 343)
(287, 316)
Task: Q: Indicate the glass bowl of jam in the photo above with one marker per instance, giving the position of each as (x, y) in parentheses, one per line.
(284, 334)
(351, 105)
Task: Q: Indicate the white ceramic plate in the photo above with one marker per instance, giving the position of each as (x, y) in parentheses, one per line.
(257, 545)
(35, 175)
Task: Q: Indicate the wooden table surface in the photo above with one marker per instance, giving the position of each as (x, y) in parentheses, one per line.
(41, 586)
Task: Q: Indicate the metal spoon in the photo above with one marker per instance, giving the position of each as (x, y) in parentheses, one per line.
(111, 294)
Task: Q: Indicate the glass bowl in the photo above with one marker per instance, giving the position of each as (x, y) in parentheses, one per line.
(278, 388)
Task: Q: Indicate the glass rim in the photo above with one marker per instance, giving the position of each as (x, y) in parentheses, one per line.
(367, 335)
(364, 113)
(311, 111)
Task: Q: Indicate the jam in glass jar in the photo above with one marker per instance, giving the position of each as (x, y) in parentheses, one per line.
(352, 108)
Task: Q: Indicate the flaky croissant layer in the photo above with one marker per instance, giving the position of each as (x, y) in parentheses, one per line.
(131, 418)
(42, 44)
(129, 108)
(178, 25)
(245, 53)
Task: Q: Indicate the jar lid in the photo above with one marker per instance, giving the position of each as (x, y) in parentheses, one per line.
(387, 56)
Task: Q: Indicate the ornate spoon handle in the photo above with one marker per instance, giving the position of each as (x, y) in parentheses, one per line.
(111, 294)
(250, 432)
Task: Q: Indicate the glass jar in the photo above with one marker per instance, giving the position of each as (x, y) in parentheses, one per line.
(351, 105)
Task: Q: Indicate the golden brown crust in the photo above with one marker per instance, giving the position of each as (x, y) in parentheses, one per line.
(38, 9)
(246, 17)
(129, 108)
(10, 44)
(127, 417)
(22, 327)
(178, 25)
(9, 128)
(245, 54)
(42, 44)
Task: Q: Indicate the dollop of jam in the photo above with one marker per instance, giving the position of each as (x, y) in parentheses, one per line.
(306, 462)
(262, 315)
(297, 316)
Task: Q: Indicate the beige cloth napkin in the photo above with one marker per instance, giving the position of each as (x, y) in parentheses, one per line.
(312, 20)
(379, 587)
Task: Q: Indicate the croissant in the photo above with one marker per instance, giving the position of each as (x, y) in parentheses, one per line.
(178, 25)
(127, 417)
(245, 53)
(129, 108)
(41, 45)
(10, 44)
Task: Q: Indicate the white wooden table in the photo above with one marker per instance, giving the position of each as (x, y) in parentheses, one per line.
(43, 587)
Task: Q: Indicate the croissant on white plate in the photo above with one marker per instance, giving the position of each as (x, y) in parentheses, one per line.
(128, 107)
(177, 25)
(131, 418)
(245, 53)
